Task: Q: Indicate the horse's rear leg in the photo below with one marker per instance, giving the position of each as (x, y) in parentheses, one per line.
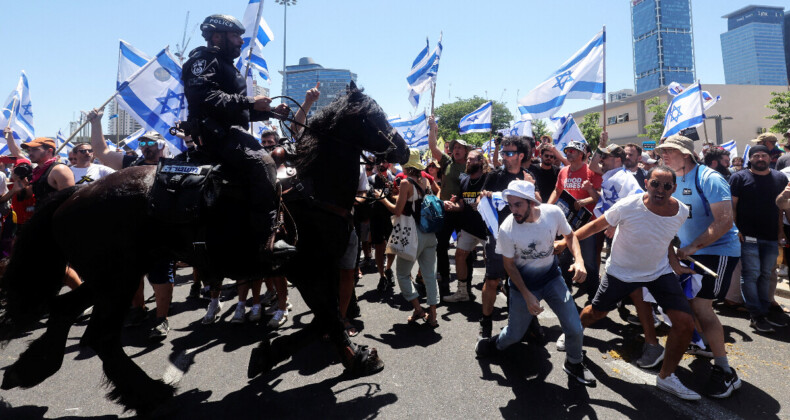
(130, 385)
(44, 356)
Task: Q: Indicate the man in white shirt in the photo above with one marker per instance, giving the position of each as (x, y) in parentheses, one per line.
(85, 171)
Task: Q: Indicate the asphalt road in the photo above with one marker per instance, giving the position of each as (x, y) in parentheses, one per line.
(428, 373)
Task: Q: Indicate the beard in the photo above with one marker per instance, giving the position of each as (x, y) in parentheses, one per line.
(470, 169)
(150, 153)
(760, 165)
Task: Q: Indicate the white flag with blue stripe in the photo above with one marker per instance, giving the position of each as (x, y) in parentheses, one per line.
(18, 114)
(256, 35)
(731, 147)
(64, 152)
(423, 71)
(133, 141)
(685, 110)
(154, 97)
(521, 128)
(708, 100)
(260, 127)
(567, 131)
(130, 59)
(617, 183)
(581, 77)
(478, 121)
(746, 152)
(414, 131)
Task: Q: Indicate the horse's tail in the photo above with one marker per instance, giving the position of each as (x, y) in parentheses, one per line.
(35, 271)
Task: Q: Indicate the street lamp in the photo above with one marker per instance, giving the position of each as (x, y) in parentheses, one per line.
(285, 4)
(718, 118)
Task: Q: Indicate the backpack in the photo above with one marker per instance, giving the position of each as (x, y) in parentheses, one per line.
(430, 218)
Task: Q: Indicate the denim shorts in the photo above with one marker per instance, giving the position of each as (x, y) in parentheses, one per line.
(665, 289)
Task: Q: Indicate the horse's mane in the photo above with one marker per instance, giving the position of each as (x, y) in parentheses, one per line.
(354, 104)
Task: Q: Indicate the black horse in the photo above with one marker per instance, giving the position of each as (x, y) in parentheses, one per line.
(112, 258)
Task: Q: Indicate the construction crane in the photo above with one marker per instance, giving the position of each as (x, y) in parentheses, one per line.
(182, 48)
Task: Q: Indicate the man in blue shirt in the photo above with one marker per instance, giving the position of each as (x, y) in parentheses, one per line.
(710, 236)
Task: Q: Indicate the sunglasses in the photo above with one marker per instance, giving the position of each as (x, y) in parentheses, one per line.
(667, 185)
(144, 143)
(85, 151)
(510, 153)
(548, 156)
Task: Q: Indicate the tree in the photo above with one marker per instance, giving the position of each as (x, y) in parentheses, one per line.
(539, 129)
(450, 115)
(780, 102)
(655, 129)
(591, 130)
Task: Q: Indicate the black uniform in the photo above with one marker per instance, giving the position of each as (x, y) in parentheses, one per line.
(220, 109)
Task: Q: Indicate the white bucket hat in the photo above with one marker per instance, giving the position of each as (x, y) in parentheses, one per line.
(521, 189)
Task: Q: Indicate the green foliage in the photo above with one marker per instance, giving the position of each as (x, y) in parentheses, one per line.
(539, 129)
(780, 102)
(591, 130)
(655, 129)
(450, 115)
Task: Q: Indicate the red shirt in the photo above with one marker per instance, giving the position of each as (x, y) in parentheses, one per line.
(572, 182)
(23, 208)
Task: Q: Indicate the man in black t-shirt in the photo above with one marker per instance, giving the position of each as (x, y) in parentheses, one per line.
(381, 226)
(546, 173)
(472, 230)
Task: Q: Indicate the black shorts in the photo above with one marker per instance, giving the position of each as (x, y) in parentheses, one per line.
(380, 229)
(715, 288)
(162, 272)
(665, 289)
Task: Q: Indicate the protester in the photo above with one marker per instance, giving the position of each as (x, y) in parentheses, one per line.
(784, 160)
(769, 140)
(526, 243)
(708, 235)
(426, 243)
(718, 159)
(736, 164)
(754, 193)
(633, 153)
(84, 170)
(546, 172)
(381, 224)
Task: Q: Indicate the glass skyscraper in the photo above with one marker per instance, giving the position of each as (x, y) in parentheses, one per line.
(753, 48)
(663, 43)
(297, 80)
(787, 42)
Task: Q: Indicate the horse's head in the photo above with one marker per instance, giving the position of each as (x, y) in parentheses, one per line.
(356, 119)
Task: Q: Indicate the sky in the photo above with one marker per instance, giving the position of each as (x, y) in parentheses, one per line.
(499, 49)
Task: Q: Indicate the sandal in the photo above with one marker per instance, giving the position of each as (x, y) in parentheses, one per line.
(432, 324)
(416, 316)
(351, 329)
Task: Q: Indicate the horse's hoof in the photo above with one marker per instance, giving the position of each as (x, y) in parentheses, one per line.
(10, 380)
(365, 362)
(260, 361)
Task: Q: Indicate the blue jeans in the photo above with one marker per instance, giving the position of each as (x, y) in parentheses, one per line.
(426, 258)
(556, 294)
(757, 263)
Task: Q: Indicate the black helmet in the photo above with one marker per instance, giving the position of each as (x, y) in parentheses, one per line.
(220, 23)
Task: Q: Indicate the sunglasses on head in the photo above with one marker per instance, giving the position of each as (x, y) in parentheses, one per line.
(655, 184)
(85, 151)
(144, 143)
(509, 153)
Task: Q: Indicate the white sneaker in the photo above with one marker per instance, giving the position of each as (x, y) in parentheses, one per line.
(238, 315)
(673, 385)
(561, 343)
(275, 307)
(212, 312)
(278, 319)
(255, 313)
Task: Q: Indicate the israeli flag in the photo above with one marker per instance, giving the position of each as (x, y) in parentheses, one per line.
(708, 100)
(731, 147)
(256, 35)
(686, 110)
(393, 119)
(154, 97)
(617, 183)
(488, 147)
(414, 131)
(17, 114)
(130, 59)
(423, 71)
(478, 121)
(581, 77)
(746, 152)
(64, 152)
(260, 127)
(567, 131)
(521, 128)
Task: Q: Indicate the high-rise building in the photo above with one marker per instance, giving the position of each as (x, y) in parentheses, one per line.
(753, 48)
(787, 42)
(620, 95)
(297, 80)
(663, 43)
(120, 127)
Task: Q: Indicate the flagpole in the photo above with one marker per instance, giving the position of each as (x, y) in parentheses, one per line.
(604, 77)
(13, 107)
(253, 37)
(702, 109)
(68, 140)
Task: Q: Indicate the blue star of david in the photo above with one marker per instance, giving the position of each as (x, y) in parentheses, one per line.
(613, 196)
(261, 130)
(408, 134)
(473, 118)
(674, 114)
(165, 101)
(514, 131)
(562, 79)
(27, 109)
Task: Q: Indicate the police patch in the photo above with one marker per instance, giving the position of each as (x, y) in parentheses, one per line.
(198, 67)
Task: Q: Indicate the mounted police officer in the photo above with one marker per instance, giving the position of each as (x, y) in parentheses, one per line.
(220, 113)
